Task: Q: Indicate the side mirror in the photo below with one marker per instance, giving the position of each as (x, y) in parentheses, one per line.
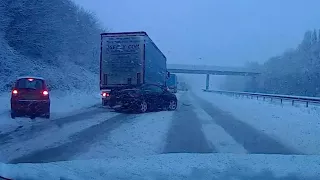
(168, 74)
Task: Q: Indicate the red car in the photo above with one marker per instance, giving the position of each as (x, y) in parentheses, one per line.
(30, 97)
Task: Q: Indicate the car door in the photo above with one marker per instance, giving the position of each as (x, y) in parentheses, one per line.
(152, 94)
(165, 96)
(160, 96)
(158, 93)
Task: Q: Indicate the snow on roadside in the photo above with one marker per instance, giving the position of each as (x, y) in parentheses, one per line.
(62, 104)
(52, 137)
(291, 125)
(172, 167)
(4, 103)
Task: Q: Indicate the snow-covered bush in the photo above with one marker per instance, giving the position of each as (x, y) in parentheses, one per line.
(295, 72)
(55, 39)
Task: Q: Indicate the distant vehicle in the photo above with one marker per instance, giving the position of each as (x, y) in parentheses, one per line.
(147, 97)
(129, 60)
(30, 97)
(172, 83)
(182, 86)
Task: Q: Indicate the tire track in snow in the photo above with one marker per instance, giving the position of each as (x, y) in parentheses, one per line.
(185, 134)
(33, 129)
(79, 142)
(253, 140)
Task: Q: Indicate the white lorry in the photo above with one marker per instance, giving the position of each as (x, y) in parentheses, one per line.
(127, 60)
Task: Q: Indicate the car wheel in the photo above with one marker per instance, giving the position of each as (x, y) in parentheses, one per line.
(143, 107)
(172, 105)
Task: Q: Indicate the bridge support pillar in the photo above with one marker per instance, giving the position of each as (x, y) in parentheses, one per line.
(253, 84)
(207, 81)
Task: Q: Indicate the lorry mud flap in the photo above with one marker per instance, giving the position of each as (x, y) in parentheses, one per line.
(112, 101)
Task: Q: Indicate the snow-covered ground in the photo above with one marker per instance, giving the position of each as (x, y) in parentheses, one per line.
(127, 134)
(51, 137)
(139, 135)
(4, 103)
(225, 143)
(62, 104)
(131, 144)
(297, 127)
(174, 166)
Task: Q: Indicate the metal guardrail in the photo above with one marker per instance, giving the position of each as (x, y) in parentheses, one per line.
(293, 99)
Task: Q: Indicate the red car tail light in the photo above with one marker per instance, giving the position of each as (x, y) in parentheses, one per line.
(15, 91)
(45, 93)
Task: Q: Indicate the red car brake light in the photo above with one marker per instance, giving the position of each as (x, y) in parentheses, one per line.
(45, 93)
(15, 91)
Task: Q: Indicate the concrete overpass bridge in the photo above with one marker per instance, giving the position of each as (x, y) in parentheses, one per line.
(213, 70)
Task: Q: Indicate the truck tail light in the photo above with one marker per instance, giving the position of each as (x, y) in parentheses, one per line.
(105, 94)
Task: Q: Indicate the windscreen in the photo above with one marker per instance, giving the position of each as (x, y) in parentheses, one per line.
(122, 58)
(29, 83)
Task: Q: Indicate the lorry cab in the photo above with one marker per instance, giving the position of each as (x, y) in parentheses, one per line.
(172, 83)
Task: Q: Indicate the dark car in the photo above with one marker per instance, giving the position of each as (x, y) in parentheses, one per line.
(147, 97)
(30, 97)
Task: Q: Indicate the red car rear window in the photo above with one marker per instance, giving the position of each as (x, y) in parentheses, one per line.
(29, 83)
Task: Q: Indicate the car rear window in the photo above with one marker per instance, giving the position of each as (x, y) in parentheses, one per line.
(29, 83)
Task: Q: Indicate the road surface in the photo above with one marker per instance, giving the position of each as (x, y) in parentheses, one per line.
(101, 133)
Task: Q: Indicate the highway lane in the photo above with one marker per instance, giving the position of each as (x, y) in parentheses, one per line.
(22, 133)
(78, 143)
(253, 140)
(183, 135)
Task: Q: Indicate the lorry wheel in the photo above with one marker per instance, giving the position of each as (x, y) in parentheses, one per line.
(104, 102)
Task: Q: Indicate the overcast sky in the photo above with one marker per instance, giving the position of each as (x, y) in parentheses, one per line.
(216, 32)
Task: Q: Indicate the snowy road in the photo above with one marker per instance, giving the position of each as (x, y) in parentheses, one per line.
(185, 134)
(199, 125)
